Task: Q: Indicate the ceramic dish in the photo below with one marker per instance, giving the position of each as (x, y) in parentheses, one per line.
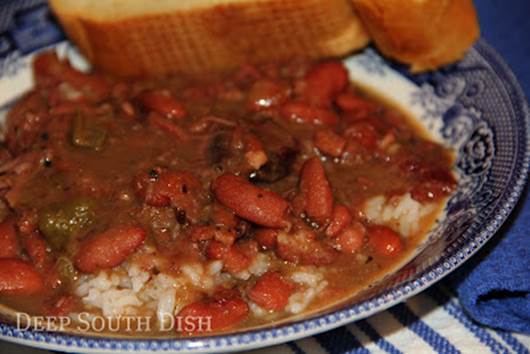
(475, 107)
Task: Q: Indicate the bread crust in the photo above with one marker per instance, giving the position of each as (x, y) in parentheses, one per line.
(423, 33)
(163, 37)
(215, 38)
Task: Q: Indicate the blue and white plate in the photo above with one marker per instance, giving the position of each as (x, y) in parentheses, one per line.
(475, 106)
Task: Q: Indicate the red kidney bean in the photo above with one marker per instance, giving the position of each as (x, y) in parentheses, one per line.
(248, 247)
(108, 249)
(35, 246)
(271, 291)
(324, 82)
(50, 70)
(37, 249)
(351, 240)
(304, 113)
(316, 190)
(216, 250)
(19, 278)
(161, 102)
(235, 260)
(225, 309)
(329, 143)
(340, 219)
(233, 257)
(266, 93)
(362, 133)
(47, 67)
(167, 126)
(9, 247)
(266, 238)
(356, 106)
(249, 202)
(385, 241)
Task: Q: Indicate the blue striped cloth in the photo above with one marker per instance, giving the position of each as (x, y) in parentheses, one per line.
(494, 287)
(431, 322)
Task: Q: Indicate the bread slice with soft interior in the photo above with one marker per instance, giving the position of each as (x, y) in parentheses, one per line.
(158, 37)
(423, 33)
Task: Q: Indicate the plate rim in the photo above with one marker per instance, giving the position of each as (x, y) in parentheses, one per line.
(258, 338)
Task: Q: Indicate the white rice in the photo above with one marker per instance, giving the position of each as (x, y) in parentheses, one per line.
(127, 290)
(138, 277)
(104, 292)
(401, 213)
(311, 283)
(160, 294)
(257, 310)
(203, 277)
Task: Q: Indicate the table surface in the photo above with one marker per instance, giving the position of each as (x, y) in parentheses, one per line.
(505, 25)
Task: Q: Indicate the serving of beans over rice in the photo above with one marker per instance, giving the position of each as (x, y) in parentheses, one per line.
(265, 193)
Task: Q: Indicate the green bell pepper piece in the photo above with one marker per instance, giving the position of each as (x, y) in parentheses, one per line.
(59, 223)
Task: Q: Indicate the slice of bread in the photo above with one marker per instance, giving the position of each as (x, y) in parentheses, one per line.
(157, 37)
(423, 33)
